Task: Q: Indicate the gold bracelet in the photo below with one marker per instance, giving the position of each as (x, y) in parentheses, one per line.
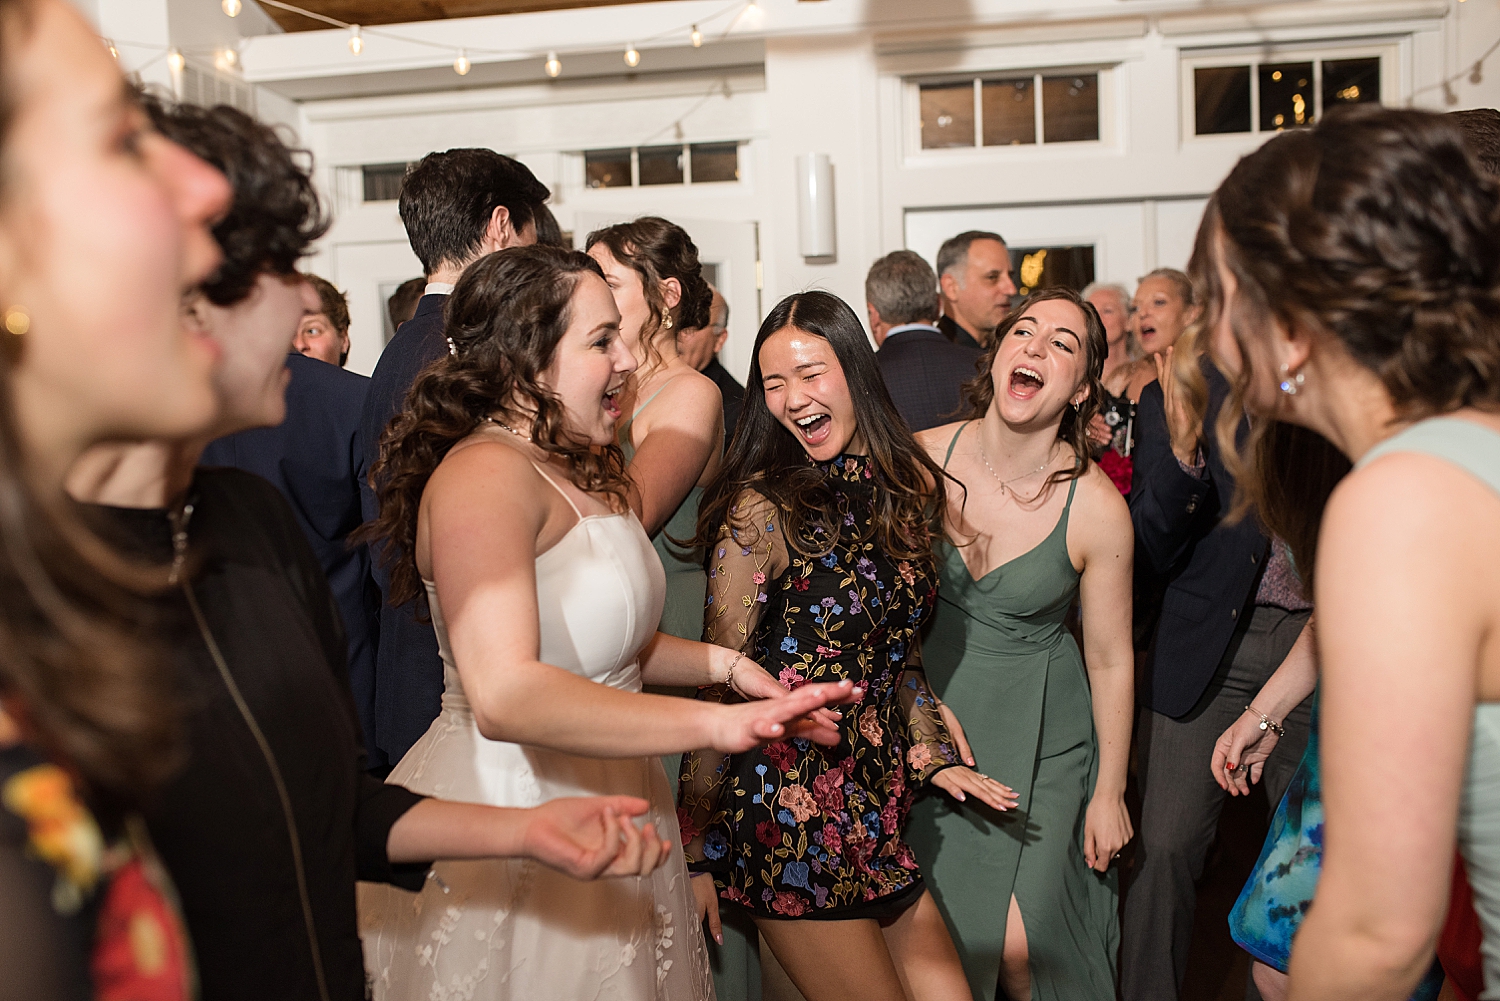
(729, 676)
(1266, 722)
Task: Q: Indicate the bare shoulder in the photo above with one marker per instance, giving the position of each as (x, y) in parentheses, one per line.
(935, 441)
(1410, 499)
(490, 474)
(687, 400)
(1100, 518)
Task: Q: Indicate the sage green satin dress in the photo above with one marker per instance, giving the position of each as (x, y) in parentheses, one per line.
(1001, 657)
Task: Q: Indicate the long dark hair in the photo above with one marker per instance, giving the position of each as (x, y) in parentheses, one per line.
(504, 319)
(765, 457)
(657, 249)
(1375, 227)
(980, 391)
(73, 674)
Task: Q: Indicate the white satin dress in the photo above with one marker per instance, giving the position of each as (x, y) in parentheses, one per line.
(516, 930)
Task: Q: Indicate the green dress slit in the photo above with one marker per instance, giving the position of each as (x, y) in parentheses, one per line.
(1000, 655)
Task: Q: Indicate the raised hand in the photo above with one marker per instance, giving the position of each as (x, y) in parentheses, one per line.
(751, 724)
(1181, 427)
(961, 783)
(593, 837)
(755, 682)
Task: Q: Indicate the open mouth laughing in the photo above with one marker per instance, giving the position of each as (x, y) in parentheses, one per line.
(1025, 382)
(815, 428)
(612, 402)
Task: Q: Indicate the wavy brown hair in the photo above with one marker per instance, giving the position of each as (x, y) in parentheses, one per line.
(1377, 228)
(765, 457)
(504, 319)
(657, 249)
(979, 392)
(73, 674)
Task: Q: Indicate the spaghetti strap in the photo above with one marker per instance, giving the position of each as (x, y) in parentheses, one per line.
(555, 486)
(1072, 488)
(952, 444)
(625, 430)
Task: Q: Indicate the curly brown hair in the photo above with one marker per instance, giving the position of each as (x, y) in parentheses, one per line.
(980, 391)
(504, 320)
(765, 458)
(1377, 228)
(657, 249)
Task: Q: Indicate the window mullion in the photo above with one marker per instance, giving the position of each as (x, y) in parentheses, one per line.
(635, 167)
(1036, 93)
(978, 112)
(1254, 96)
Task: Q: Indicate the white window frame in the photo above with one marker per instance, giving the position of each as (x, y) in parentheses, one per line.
(912, 111)
(1387, 50)
(580, 159)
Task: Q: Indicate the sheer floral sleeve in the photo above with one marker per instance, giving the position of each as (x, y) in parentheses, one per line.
(742, 565)
(930, 747)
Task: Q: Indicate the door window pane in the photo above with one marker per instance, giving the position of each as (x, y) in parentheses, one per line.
(1286, 96)
(1070, 108)
(714, 162)
(1221, 97)
(1350, 81)
(382, 181)
(1009, 111)
(607, 168)
(947, 115)
(1046, 267)
(660, 164)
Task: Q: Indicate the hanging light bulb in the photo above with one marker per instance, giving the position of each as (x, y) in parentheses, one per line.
(226, 59)
(176, 61)
(553, 65)
(461, 65)
(632, 57)
(697, 37)
(232, 7)
(356, 40)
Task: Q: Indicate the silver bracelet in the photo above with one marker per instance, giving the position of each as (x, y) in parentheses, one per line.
(1266, 722)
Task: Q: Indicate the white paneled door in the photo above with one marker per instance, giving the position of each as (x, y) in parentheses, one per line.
(1129, 238)
(368, 273)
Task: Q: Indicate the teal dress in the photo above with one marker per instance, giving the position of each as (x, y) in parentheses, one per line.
(1000, 655)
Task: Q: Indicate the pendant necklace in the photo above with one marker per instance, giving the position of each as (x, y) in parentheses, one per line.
(1005, 484)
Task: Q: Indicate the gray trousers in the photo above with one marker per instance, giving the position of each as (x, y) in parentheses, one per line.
(1181, 802)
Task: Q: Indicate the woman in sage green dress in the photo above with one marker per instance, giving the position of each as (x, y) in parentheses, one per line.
(1029, 895)
(673, 442)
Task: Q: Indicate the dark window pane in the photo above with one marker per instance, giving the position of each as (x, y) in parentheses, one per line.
(947, 115)
(660, 164)
(1221, 97)
(715, 162)
(1286, 95)
(383, 181)
(1070, 108)
(1351, 81)
(1009, 108)
(1048, 267)
(607, 168)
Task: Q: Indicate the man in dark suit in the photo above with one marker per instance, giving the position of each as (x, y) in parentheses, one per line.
(457, 206)
(314, 458)
(923, 371)
(700, 348)
(977, 283)
(1231, 614)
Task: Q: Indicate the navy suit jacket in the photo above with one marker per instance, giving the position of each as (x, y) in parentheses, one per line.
(1210, 568)
(408, 669)
(315, 458)
(924, 374)
(732, 392)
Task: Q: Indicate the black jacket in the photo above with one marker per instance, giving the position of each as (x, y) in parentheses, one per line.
(317, 461)
(958, 335)
(732, 392)
(408, 671)
(925, 374)
(1209, 568)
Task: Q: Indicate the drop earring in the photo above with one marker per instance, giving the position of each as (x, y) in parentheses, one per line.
(17, 321)
(666, 322)
(1290, 382)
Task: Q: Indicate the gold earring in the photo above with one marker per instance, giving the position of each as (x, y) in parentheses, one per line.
(666, 322)
(17, 321)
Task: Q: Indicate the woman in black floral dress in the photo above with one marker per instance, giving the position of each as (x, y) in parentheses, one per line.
(820, 569)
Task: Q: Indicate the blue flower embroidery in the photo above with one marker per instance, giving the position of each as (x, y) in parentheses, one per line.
(785, 817)
(829, 561)
(760, 770)
(715, 845)
(788, 645)
(795, 874)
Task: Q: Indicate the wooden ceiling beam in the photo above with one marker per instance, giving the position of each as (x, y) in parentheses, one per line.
(403, 11)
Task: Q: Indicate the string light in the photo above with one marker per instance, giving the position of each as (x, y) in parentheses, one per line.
(356, 40)
(226, 59)
(176, 61)
(697, 37)
(554, 65)
(232, 7)
(461, 65)
(632, 57)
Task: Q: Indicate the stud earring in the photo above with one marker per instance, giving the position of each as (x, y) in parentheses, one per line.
(17, 321)
(1290, 383)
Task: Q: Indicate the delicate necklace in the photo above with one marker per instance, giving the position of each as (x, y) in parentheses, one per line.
(495, 420)
(1005, 484)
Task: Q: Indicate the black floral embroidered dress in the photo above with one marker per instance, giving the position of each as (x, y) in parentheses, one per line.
(797, 829)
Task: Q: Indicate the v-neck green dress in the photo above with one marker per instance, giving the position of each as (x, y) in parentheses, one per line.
(1000, 655)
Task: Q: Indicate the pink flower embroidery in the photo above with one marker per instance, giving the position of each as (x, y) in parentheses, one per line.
(790, 904)
(735, 894)
(905, 570)
(850, 465)
(919, 757)
(758, 577)
(828, 791)
(797, 799)
(869, 726)
(833, 842)
(689, 829)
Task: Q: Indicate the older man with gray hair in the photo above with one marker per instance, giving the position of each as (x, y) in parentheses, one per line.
(923, 370)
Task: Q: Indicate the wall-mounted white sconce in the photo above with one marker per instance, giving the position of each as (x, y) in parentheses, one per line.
(816, 231)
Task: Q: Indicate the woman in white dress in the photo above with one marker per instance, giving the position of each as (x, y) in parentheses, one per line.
(503, 496)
